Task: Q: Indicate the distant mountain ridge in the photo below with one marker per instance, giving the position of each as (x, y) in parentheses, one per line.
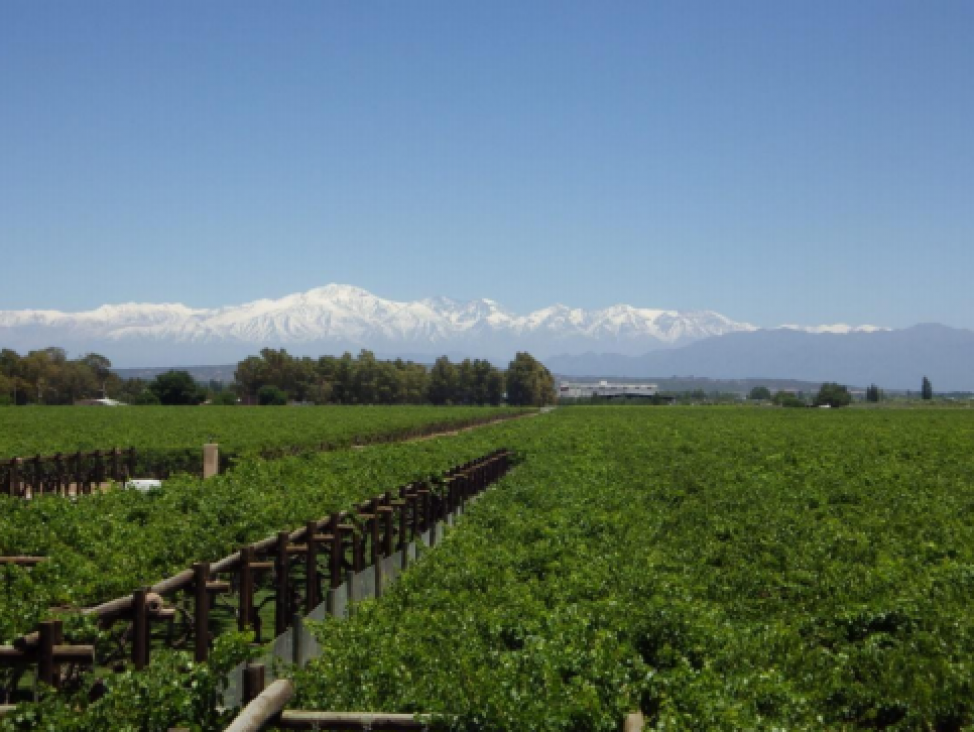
(893, 359)
(338, 317)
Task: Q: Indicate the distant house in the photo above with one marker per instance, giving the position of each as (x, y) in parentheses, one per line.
(99, 403)
(605, 390)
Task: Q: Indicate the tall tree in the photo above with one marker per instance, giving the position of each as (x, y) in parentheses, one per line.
(833, 395)
(529, 383)
(443, 382)
(760, 393)
(926, 389)
(176, 388)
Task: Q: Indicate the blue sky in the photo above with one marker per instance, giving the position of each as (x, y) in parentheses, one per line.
(775, 161)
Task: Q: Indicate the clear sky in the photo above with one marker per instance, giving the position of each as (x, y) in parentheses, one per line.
(778, 161)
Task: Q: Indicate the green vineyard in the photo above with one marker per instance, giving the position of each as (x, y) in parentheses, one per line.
(715, 569)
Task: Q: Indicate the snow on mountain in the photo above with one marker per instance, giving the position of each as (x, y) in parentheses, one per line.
(341, 316)
(836, 328)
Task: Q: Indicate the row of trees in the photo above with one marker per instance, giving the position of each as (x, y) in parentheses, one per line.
(829, 395)
(275, 376)
(48, 376)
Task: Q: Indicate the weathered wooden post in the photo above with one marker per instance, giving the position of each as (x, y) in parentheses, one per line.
(201, 619)
(61, 487)
(246, 609)
(15, 467)
(140, 629)
(426, 510)
(253, 681)
(412, 502)
(311, 567)
(99, 468)
(35, 478)
(388, 532)
(116, 465)
(211, 460)
(79, 473)
(51, 635)
(336, 552)
(282, 568)
(358, 551)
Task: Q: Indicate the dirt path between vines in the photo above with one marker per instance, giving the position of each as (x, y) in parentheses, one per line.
(449, 433)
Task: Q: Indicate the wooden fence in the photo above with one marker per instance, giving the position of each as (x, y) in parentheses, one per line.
(81, 473)
(72, 474)
(265, 586)
(265, 708)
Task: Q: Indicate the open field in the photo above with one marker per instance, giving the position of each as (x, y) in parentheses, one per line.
(717, 568)
(175, 434)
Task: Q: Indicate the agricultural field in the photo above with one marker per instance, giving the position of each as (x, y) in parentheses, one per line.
(172, 436)
(144, 537)
(719, 569)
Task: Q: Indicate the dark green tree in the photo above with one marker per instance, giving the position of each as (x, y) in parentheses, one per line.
(224, 398)
(146, 398)
(926, 389)
(271, 396)
(833, 395)
(872, 393)
(760, 393)
(444, 382)
(788, 399)
(529, 383)
(177, 388)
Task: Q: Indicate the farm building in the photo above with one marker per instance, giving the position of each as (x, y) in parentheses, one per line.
(603, 389)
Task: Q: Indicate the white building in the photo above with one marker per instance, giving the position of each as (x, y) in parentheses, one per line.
(583, 390)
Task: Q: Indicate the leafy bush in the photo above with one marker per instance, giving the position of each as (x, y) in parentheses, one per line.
(271, 396)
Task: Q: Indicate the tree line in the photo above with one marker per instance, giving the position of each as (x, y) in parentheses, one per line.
(48, 376)
(275, 377)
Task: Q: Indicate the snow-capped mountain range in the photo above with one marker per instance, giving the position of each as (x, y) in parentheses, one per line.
(338, 317)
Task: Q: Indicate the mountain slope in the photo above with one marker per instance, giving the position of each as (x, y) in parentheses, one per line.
(338, 317)
(895, 359)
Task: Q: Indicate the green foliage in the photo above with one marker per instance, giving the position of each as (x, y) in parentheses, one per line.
(787, 399)
(143, 537)
(224, 398)
(833, 395)
(146, 398)
(271, 396)
(443, 382)
(926, 389)
(529, 383)
(172, 692)
(760, 393)
(366, 380)
(177, 388)
(873, 394)
(171, 438)
(47, 376)
(719, 569)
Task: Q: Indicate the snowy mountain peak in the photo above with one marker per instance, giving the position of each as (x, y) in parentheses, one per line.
(337, 317)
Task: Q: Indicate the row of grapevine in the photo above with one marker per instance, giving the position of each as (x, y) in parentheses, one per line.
(717, 570)
(74, 474)
(169, 438)
(714, 569)
(287, 571)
